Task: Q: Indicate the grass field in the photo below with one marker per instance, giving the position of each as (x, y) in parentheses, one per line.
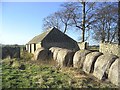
(93, 48)
(35, 74)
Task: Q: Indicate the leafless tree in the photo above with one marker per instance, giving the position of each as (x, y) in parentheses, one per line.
(119, 22)
(60, 19)
(52, 20)
(100, 17)
(65, 17)
(82, 15)
(105, 28)
(66, 14)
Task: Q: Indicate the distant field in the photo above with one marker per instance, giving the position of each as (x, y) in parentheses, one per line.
(93, 48)
(36, 74)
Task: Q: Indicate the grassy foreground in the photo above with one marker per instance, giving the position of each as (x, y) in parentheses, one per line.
(36, 74)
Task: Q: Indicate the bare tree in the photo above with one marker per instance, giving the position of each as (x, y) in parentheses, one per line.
(65, 17)
(81, 20)
(119, 22)
(60, 19)
(105, 28)
(70, 15)
(52, 20)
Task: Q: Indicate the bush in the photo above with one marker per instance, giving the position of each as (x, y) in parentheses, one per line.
(26, 56)
(8, 61)
(16, 64)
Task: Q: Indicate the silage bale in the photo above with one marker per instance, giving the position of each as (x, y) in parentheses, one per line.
(79, 58)
(89, 62)
(114, 72)
(102, 66)
(54, 52)
(52, 49)
(65, 57)
(41, 54)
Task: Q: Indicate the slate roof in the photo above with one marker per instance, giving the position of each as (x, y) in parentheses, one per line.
(40, 37)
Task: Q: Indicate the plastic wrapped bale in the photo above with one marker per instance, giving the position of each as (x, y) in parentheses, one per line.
(41, 54)
(88, 65)
(54, 51)
(102, 66)
(113, 75)
(65, 57)
(79, 58)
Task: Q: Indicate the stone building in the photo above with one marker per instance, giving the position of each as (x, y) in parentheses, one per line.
(52, 38)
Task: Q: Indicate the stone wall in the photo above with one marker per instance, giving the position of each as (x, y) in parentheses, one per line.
(83, 45)
(110, 48)
(11, 52)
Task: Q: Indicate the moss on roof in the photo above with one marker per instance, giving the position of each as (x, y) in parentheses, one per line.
(40, 37)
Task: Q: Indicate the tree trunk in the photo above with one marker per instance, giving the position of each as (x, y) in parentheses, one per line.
(119, 23)
(112, 37)
(108, 36)
(103, 34)
(108, 32)
(65, 28)
(83, 21)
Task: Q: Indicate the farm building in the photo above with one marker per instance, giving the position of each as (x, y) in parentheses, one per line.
(51, 38)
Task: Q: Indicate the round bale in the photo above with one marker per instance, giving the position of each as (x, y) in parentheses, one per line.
(54, 51)
(65, 57)
(41, 54)
(88, 65)
(102, 66)
(79, 58)
(113, 75)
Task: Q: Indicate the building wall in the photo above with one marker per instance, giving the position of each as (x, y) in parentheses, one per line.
(38, 45)
(58, 39)
(110, 48)
(27, 47)
(32, 48)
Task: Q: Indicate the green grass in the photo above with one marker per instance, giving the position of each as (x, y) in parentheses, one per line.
(33, 76)
(37, 74)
